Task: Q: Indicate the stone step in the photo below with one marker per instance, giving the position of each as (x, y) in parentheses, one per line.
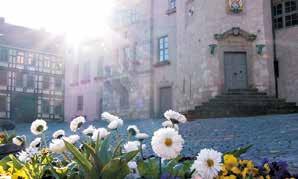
(243, 90)
(244, 93)
(246, 100)
(244, 97)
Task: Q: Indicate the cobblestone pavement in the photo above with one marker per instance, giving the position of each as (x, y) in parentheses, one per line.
(274, 137)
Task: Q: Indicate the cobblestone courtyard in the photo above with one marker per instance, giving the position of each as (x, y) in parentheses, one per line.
(273, 137)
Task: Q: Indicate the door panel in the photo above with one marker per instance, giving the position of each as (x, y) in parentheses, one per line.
(235, 70)
(23, 107)
(165, 99)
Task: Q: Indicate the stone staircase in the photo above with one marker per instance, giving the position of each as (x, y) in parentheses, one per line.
(241, 103)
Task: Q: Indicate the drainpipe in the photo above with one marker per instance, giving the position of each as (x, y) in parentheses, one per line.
(275, 61)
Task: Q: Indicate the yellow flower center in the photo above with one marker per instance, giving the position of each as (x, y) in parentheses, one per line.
(210, 163)
(168, 142)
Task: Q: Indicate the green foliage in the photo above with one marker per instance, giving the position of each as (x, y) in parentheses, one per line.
(149, 168)
(238, 152)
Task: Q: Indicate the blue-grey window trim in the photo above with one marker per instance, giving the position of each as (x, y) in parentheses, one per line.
(159, 49)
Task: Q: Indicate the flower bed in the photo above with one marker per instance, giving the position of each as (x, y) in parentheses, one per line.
(103, 153)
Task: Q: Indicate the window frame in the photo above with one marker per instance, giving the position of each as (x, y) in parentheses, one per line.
(163, 48)
(284, 15)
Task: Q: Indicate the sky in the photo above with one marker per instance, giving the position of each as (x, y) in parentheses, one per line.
(74, 17)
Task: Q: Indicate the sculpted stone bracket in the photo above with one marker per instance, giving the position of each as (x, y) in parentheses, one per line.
(236, 31)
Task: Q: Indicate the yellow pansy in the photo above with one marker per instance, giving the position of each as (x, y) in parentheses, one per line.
(267, 167)
(230, 161)
(236, 170)
(20, 174)
(224, 170)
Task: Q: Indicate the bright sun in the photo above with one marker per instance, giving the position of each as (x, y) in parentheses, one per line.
(78, 19)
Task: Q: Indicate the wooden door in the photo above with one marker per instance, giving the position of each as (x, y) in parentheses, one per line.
(165, 99)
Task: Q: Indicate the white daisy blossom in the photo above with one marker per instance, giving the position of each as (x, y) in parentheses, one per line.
(57, 146)
(167, 124)
(72, 139)
(109, 117)
(133, 130)
(176, 127)
(115, 124)
(142, 136)
(207, 164)
(132, 146)
(36, 143)
(38, 126)
(76, 123)
(175, 117)
(59, 134)
(100, 133)
(19, 140)
(89, 131)
(167, 143)
(25, 156)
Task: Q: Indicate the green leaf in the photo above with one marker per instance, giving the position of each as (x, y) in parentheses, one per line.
(84, 162)
(103, 153)
(129, 156)
(238, 152)
(115, 169)
(16, 163)
(117, 152)
(149, 168)
(96, 161)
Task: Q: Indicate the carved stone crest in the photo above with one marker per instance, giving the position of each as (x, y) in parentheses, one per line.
(235, 6)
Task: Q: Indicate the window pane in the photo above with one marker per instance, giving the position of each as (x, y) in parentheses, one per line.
(46, 82)
(45, 106)
(3, 78)
(19, 80)
(290, 6)
(80, 103)
(30, 81)
(2, 103)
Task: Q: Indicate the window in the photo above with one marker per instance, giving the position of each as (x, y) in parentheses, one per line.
(80, 103)
(30, 81)
(163, 48)
(45, 106)
(30, 59)
(172, 4)
(100, 66)
(58, 108)
(3, 54)
(46, 82)
(86, 71)
(2, 103)
(108, 71)
(127, 53)
(58, 83)
(285, 14)
(124, 98)
(3, 78)
(19, 80)
(20, 57)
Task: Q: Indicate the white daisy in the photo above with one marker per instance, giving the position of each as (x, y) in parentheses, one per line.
(207, 164)
(176, 127)
(142, 136)
(23, 156)
(133, 130)
(115, 124)
(38, 126)
(72, 139)
(167, 143)
(175, 117)
(132, 146)
(109, 117)
(36, 143)
(167, 124)
(76, 123)
(19, 140)
(57, 146)
(100, 133)
(89, 131)
(59, 134)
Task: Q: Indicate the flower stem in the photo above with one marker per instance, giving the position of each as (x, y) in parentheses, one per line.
(141, 149)
(44, 140)
(160, 170)
(66, 157)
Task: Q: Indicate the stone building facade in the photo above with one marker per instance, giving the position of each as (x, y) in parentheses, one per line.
(31, 74)
(166, 54)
